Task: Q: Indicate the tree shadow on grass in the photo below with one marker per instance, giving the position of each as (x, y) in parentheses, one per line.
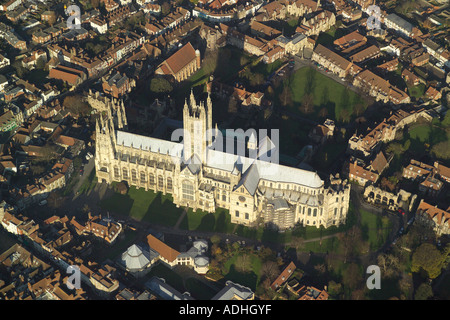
(247, 279)
(163, 211)
(270, 235)
(389, 289)
(207, 223)
(246, 232)
(118, 203)
(154, 210)
(222, 222)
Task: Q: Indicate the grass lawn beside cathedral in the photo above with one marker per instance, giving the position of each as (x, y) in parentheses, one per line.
(219, 221)
(251, 273)
(144, 206)
(157, 208)
(375, 229)
(327, 94)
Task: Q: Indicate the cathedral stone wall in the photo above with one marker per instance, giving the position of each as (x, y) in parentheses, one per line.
(283, 200)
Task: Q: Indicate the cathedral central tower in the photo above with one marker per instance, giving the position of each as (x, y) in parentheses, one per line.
(197, 126)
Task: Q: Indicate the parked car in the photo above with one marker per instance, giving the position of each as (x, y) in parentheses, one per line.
(43, 203)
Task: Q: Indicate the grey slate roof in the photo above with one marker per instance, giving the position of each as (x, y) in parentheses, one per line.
(402, 23)
(137, 259)
(226, 161)
(231, 290)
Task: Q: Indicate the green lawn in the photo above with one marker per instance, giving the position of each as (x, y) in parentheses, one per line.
(428, 134)
(327, 38)
(267, 69)
(328, 95)
(144, 205)
(328, 154)
(375, 228)
(36, 76)
(248, 279)
(424, 136)
(416, 91)
(172, 278)
(293, 135)
(219, 221)
(199, 290)
(88, 183)
(235, 60)
(327, 245)
(159, 209)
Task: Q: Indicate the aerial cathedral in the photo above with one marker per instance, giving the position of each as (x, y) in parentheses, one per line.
(201, 176)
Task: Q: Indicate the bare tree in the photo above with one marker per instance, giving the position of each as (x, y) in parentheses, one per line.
(86, 208)
(298, 242)
(270, 270)
(286, 96)
(350, 241)
(320, 268)
(388, 263)
(323, 112)
(243, 263)
(307, 105)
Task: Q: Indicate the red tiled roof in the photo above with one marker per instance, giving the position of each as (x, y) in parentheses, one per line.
(441, 216)
(287, 272)
(163, 249)
(181, 58)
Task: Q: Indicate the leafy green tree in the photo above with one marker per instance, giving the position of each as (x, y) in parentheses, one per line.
(406, 145)
(160, 85)
(334, 289)
(256, 79)
(423, 292)
(441, 150)
(215, 239)
(165, 8)
(446, 121)
(429, 260)
(395, 148)
(40, 63)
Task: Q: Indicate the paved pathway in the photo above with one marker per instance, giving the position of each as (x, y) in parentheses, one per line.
(180, 219)
(87, 171)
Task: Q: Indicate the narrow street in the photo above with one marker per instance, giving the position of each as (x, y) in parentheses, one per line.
(88, 167)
